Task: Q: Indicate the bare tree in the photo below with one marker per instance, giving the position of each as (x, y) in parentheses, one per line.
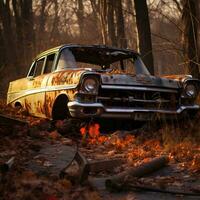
(42, 17)
(191, 25)
(111, 19)
(54, 30)
(7, 32)
(111, 22)
(103, 20)
(120, 25)
(144, 33)
(80, 16)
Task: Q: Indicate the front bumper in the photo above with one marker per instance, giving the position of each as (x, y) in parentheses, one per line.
(86, 110)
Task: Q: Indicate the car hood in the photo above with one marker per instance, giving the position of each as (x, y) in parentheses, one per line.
(139, 80)
(116, 77)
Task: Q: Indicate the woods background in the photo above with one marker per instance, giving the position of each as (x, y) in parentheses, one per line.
(165, 32)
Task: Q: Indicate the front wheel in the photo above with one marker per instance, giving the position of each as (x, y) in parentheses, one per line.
(60, 109)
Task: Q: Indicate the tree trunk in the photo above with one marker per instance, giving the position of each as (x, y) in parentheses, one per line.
(190, 23)
(96, 15)
(19, 30)
(103, 20)
(2, 51)
(111, 23)
(144, 33)
(29, 36)
(120, 25)
(80, 16)
(42, 17)
(7, 33)
(54, 29)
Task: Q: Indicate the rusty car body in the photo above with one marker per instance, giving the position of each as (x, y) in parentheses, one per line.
(100, 82)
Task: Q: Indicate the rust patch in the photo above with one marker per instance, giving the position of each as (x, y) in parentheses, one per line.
(67, 77)
(40, 107)
(38, 81)
(27, 105)
(49, 101)
(176, 77)
(51, 97)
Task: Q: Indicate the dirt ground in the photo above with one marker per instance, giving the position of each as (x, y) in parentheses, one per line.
(42, 149)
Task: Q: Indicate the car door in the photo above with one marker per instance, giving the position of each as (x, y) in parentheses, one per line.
(37, 81)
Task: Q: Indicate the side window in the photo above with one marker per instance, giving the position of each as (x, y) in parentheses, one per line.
(49, 63)
(32, 70)
(39, 66)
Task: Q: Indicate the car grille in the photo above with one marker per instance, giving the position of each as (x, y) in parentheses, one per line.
(138, 99)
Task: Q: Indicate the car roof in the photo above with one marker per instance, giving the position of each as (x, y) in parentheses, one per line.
(103, 47)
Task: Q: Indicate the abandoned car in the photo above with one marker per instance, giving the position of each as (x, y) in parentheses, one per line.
(100, 82)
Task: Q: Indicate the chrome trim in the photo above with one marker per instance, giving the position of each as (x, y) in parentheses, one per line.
(134, 100)
(24, 93)
(75, 103)
(178, 111)
(138, 88)
(75, 110)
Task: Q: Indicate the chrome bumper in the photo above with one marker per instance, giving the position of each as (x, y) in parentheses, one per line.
(84, 110)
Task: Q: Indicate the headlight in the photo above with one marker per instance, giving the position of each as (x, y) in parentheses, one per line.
(90, 85)
(191, 90)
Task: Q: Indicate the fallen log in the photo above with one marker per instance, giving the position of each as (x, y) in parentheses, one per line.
(10, 120)
(117, 187)
(142, 170)
(105, 165)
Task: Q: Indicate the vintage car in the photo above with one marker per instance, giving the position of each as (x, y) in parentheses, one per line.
(100, 82)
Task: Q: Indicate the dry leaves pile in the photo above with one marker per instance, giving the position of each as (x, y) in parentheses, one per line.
(124, 144)
(24, 142)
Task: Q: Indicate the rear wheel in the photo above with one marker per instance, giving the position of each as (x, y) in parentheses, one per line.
(18, 106)
(20, 109)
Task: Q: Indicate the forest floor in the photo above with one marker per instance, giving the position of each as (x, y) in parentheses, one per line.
(41, 151)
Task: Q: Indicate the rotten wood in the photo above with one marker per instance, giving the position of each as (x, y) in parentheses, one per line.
(85, 167)
(105, 165)
(139, 171)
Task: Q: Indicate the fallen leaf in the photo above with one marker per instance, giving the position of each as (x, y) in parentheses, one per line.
(54, 135)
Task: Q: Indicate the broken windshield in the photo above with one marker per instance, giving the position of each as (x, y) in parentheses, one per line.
(101, 60)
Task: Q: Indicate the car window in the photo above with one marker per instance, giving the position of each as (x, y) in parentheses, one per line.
(87, 65)
(32, 69)
(66, 60)
(39, 66)
(126, 65)
(49, 63)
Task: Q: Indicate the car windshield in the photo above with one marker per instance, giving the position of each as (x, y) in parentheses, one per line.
(101, 59)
